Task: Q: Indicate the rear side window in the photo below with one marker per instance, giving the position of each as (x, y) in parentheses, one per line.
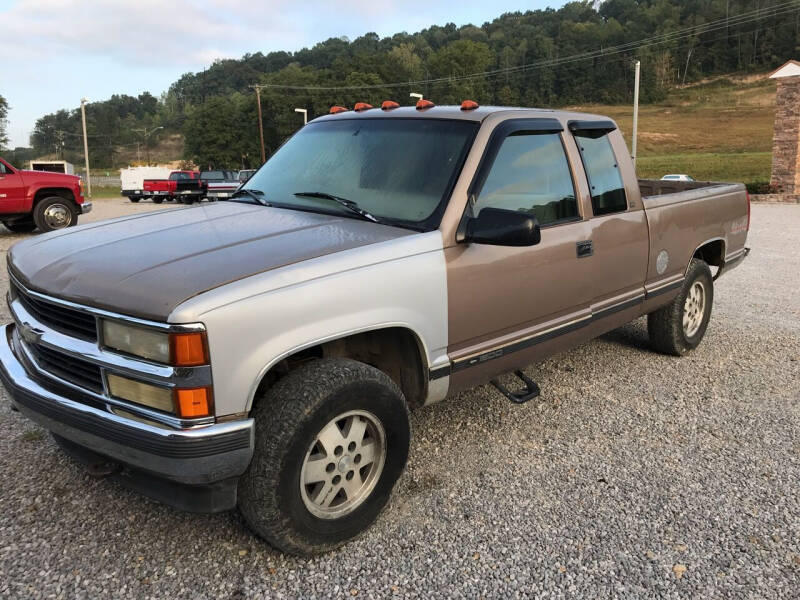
(602, 170)
(530, 173)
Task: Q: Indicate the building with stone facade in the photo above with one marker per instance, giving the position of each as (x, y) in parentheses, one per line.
(785, 178)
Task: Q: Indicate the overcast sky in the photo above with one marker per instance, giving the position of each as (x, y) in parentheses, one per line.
(56, 51)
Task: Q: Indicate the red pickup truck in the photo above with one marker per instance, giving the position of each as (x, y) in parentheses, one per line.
(39, 199)
(164, 189)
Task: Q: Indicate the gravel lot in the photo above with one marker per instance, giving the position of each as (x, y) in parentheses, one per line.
(635, 475)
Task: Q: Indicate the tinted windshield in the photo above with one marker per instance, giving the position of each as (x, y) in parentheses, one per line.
(395, 169)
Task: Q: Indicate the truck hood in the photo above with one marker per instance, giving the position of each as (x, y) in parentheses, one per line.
(31, 176)
(146, 265)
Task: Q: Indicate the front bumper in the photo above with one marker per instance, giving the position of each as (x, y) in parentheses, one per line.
(86, 207)
(198, 456)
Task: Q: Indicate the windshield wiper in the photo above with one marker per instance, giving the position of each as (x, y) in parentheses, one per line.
(254, 194)
(348, 204)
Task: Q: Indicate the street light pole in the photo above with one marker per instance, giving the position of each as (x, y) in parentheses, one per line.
(305, 114)
(86, 146)
(635, 110)
(260, 125)
(146, 145)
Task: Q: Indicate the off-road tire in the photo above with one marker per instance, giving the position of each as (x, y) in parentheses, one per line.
(43, 223)
(665, 326)
(22, 226)
(288, 418)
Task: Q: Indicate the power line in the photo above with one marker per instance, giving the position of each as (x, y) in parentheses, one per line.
(742, 18)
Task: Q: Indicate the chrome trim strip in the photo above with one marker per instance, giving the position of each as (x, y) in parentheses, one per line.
(98, 312)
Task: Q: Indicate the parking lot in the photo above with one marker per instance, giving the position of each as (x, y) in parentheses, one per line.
(634, 475)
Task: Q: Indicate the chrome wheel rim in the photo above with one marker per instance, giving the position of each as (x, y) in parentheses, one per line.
(694, 308)
(343, 464)
(57, 216)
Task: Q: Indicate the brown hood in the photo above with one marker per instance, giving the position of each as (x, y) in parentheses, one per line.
(146, 265)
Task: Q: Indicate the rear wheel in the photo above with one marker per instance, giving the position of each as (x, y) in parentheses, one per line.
(21, 226)
(157, 199)
(134, 198)
(332, 439)
(680, 326)
(54, 212)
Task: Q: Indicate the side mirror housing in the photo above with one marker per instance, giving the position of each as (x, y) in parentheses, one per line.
(500, 227)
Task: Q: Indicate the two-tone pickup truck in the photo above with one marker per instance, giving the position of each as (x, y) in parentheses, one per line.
(40, 200)
(159, 190)
(264, 352)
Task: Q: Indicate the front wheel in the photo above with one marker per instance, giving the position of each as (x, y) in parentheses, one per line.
(680, 326)
(134, 199)
(157, 199)
(54, 212)
(332, 439)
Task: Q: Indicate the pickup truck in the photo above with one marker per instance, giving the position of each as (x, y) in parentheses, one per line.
(264, 352)
(40, 200)
(220, 185)
(165, 189)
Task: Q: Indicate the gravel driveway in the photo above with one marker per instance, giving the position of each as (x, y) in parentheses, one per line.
(634, 475)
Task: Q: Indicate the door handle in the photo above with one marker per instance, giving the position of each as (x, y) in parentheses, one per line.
(584, 248)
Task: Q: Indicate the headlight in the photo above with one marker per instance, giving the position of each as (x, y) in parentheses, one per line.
(178, 349)
(186, 403)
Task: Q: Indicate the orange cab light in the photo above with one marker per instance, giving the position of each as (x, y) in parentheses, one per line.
(188, 349)
(337, 109)
(389, 105)
(422, 103)
(193, 403)
(469, 105)
(361, 106)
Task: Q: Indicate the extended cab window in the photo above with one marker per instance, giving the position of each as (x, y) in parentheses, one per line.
(602, 170)
(530, 173)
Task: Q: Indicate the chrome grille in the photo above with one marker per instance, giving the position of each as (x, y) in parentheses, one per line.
(69, 368)
(61, 318)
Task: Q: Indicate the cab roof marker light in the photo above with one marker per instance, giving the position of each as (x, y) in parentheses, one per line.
(423, 104)
(389, 105)
(338, 109)
(361, 106)
(469, 105)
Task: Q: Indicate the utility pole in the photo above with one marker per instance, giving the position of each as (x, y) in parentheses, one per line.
(146, 145)
(260, 124)
(304, 112)
(84, 101)
(637, 66)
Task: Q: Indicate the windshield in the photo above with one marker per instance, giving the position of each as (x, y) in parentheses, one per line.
(212, 175)
(396, 169)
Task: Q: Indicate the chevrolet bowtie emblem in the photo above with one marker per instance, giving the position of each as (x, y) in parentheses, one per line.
(30, 334)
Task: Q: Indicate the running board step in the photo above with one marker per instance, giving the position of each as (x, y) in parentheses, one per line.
(530, 392)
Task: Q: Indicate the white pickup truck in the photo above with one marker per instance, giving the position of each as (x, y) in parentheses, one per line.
(264, 352)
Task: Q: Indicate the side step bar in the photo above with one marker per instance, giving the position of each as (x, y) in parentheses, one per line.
(530, 391)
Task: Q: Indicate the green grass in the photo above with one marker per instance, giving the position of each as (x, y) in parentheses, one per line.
(100, 193)
(744, 167)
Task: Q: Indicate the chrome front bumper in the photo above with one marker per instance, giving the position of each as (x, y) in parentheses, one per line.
(197, 456)
(86, 207)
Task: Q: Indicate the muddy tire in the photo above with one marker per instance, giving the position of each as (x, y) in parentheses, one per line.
(54, 212)
(332, 439)
(680, 326)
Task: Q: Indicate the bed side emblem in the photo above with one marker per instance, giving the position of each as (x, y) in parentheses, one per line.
(662, 261)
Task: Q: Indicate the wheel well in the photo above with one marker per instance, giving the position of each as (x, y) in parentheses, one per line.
(713, 253)
(47, 192)
(395, 350)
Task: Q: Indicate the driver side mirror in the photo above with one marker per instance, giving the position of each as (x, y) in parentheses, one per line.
(500, 227)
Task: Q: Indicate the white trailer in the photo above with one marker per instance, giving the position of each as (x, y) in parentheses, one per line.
(131, 178)
(53, 166)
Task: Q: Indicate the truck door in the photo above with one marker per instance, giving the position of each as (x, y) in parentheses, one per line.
(506, 303)
(12, 190)
(618, 244)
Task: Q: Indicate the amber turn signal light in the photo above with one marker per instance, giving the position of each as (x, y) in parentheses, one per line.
(193, 403)
(389, 105)
(469, 105)
(361, 106)
(189, 349)
(424, 104)
(337, 109)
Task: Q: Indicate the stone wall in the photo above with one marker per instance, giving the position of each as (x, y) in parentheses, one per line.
(786, 138)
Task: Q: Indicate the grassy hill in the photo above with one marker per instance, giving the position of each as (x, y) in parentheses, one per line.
(717, 130)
